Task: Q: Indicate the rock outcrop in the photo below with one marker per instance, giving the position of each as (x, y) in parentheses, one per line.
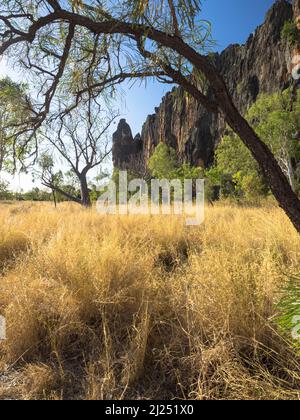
(296, 7)
(126, 149)
(262, 65)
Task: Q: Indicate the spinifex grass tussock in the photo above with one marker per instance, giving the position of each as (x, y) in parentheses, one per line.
(145, 307)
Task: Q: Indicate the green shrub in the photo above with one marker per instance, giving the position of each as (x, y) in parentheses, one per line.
(291, 33)
(163, 162)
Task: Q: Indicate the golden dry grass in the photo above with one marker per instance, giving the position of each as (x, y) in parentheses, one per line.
(144, 307)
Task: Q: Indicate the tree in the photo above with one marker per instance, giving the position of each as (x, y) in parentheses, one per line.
(277, 121)
(84, 46)
(14, 108)
(36, 194)
(5, 194)
(163, 163)
(235, 171)
(81, 141)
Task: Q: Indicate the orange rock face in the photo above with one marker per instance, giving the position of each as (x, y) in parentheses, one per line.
(295, 67)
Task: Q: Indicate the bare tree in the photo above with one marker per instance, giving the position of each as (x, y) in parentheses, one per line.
(84, 46)
(82, 142)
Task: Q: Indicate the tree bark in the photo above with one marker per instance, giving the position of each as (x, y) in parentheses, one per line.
(85, 193)
(272, 172)
(291, 174)
(54, 197)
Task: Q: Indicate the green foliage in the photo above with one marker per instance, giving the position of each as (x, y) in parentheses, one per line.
(116, 178)
(46, 162)
(77, 4)
(13, 110)
(187, 10)
(288, 317)
(164, 162)
(160, 14)
(232, 156)
(95, 190)
(5, 194)
(116, 175)
(291, 33)
(252, 186)
(236, 171)
(276, 119)
(94, 193)
(186, 171)
(66, 182)
(240, 88)
(36, 194)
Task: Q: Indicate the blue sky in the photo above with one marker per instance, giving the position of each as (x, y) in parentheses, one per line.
(232, 22)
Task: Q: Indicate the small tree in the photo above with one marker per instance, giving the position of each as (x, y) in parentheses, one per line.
(164, 162)
(276, 119)
(4, 190)
(236, 171)
(82, 142)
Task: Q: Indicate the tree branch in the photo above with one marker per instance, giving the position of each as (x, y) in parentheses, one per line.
(52, 186)
(174, 18)
(54, 4)
(178, 78)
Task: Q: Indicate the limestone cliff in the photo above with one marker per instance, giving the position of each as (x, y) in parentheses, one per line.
(262, 65)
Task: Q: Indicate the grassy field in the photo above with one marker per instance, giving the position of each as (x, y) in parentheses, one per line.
(139, 307)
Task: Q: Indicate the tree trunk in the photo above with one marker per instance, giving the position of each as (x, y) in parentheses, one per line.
(277, 181)
(54, 197)
(62, 192)
(271, 170)
(85, 193)
(290, 172)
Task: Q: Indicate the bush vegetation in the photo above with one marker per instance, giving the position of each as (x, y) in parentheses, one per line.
(291, 33)
(132, 307)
